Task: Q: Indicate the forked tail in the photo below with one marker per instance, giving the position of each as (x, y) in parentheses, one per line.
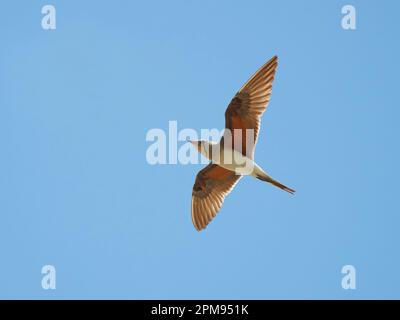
(264, 177)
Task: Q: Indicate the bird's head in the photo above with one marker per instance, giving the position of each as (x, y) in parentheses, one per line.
(198, 144)
(206, 148)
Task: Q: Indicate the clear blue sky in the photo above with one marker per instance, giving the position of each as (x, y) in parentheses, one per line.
(76, 190)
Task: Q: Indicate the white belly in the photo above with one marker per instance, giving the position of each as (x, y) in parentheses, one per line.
(233, 160)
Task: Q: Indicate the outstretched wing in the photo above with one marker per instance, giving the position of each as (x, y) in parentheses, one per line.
(248, 105)
(212, 185)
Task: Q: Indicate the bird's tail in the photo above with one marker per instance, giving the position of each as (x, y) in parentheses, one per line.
(264, 177)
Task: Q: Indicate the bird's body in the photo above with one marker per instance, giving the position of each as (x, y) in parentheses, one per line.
(227, 157)
(233, 156)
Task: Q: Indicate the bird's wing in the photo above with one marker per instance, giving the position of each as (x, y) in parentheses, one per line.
(212, 185)
(248, 105)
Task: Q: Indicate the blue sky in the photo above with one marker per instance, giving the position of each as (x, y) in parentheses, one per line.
(76, 190)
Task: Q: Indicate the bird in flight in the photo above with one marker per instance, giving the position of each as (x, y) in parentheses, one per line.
(233, 156)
